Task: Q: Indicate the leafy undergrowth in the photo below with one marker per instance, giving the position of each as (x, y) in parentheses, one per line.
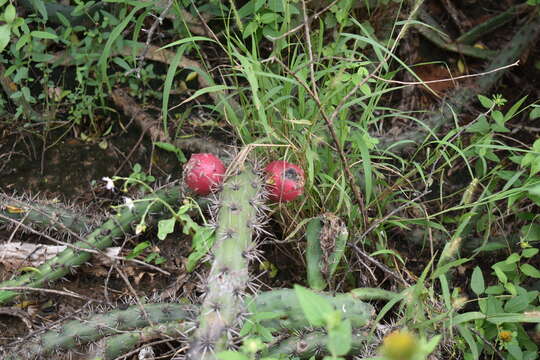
(421, 190)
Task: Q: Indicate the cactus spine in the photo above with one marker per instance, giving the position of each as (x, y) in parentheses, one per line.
(239, 206)
(99, 239)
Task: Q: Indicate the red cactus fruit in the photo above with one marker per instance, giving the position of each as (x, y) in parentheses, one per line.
(203, 172)
(285, 180)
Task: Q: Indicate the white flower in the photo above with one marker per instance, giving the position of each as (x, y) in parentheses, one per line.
(129, 203)
(109, 181)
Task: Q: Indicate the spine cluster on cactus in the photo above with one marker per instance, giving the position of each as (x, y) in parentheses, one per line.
(240, 204)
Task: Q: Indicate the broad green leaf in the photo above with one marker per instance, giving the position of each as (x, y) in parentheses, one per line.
(536, 145)
(500, 274)
(139, 248)
(514, 350)
(44, 35)
(340, 338)
(250, 8)
(477, 281)
(481, 126)
(270, 18)
(315, 307)
(511, 288)
(513, 258)
(165, 227)
(40, 7)
(5, 32)
(166, 146)
(9, 14)
(535, 113)
(250, 29)
(495, 290)
(517, 303)
(497, 116)
(530, 232)
(202, 243)
(486, 102)
(530, 252)
(530, 271)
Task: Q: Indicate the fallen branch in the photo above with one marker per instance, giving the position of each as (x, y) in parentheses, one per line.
(17, 254)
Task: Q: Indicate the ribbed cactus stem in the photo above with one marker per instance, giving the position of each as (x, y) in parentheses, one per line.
(284, 304)
(117, 345)
(44, 215)
(314, 345)
(75, 333)
(99, 239)
(229, 277)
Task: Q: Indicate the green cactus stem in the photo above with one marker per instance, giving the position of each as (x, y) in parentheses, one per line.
(239, 206)
(118, 345)
(44, 215)
(288, 312)
(75, 333)
(99, 239)
(282, 303)
(314, 255)
(314, 344)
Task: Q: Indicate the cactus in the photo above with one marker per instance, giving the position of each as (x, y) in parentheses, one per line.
(45, 215)
(305, 346)
(284, 304)
(99, 239)
(326, 241)
(237, 218)
(118, 345)
(75, 332)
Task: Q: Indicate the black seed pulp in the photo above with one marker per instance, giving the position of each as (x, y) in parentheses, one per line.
(291, 174)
